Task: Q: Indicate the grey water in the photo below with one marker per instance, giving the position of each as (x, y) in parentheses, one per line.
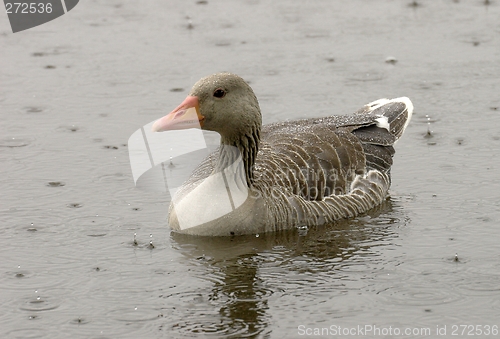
(85, 254)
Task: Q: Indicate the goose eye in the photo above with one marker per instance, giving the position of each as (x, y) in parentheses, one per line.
(219, 93)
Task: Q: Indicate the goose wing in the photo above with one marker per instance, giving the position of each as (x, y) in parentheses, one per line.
(316, 158)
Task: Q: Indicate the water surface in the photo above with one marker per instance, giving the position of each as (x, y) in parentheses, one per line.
(75, 89)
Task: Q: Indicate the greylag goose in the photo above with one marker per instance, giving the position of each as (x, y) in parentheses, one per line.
(283, 175)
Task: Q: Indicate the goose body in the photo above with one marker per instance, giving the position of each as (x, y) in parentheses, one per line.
(283, 175)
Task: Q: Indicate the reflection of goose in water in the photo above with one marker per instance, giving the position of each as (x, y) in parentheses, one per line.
(304, 172)
(239, 280)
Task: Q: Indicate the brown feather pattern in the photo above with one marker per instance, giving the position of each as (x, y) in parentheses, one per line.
(310, 171)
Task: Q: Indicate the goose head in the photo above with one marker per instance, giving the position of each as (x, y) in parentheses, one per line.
(221, 102)
(226, 104)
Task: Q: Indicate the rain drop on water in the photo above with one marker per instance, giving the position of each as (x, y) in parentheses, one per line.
(19, 274)
(429, 132)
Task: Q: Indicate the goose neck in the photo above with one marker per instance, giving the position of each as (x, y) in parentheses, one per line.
(245, 148)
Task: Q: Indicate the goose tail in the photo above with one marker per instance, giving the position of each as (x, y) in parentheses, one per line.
(393, 115)
(389, 119)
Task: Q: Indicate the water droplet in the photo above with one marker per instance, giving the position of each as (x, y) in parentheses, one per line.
(429, 132)
(151, 246)
(74, 205)
(391, 60)
(55, 184)
(190, 23)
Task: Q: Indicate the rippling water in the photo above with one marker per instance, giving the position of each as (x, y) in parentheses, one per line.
(84, 254)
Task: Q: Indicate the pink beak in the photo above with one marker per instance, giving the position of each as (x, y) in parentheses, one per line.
(186, 115)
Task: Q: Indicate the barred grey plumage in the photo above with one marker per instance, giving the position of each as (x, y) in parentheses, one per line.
(303, 172)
